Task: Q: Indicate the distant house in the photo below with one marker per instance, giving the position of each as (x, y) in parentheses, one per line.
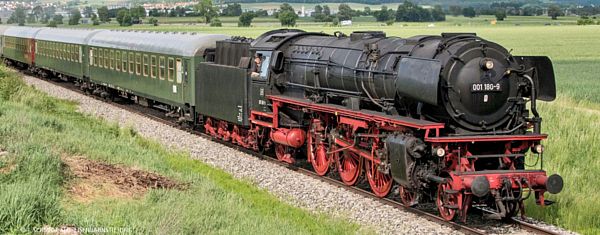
(346, 23)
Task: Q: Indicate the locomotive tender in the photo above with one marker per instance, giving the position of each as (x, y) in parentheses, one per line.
(448, 118)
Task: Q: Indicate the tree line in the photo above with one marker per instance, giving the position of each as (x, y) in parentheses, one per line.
(408, 11)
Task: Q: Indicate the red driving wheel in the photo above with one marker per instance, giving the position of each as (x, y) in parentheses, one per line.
(349, 164)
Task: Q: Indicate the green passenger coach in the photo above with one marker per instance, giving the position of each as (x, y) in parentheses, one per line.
(152, 68)
(19, 44)
(63, 51)
(155, 65)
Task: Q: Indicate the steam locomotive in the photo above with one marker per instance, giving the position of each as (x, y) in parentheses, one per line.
(448, 118)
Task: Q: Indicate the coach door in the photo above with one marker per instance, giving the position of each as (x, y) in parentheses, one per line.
(31, 51)
(180, 78)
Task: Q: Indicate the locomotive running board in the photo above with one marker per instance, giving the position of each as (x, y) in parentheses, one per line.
(485, 138)
(365, 115)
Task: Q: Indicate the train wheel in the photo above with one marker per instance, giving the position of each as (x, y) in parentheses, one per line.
(349, 164)
(408, 198)
(317, 153)
(447, 200)
(380, 183)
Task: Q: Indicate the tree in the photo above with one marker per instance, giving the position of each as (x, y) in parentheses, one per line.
(344, 12)
(500, 14)
(410, 12)
(95, 20)
(38, 12)
(319, 15)
(318, 10)
(58, 19)
(232, 10)
(88, 12)
(286, 7)
(31, 19)
(124, 17)
(48, 14)
(288, 18)
(245, 19)
(74, 17)
(367, 11)
(154, 12)
(18, 16)
(384, 14)
(469, 12)
(103, 14)
(554, 11)
(455, 10)
(326, 10)
(206, 9)
(437, 14)
(138, 12)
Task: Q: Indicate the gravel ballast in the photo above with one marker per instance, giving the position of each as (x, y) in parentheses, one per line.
(293, 187)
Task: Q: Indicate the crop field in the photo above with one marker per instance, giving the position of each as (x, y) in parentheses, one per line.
(52, 174)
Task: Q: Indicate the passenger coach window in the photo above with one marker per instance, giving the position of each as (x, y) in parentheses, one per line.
(131, 62)
(162, 68)
(171, 74)
(124, 61)
(100, 58)
(95, 53)
(138, 64)
(153, 66)
(146, 66)
(118, 60)
(112, 59)
(106, 58)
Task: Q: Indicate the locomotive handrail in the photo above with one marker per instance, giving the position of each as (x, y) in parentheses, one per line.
(314, 62)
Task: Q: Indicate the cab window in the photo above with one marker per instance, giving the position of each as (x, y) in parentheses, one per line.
(260, 65)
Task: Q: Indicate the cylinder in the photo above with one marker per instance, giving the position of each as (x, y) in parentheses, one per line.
(290, 137)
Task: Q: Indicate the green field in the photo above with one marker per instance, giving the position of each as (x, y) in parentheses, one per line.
(37, 134)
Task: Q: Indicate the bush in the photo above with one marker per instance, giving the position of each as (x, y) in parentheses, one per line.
(585, 21)
(153, 21)
(52, 23)
(389, 22)
(245, 19)
(335, 21)
(215, 22)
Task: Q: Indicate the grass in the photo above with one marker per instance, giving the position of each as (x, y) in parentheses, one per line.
(36, 130)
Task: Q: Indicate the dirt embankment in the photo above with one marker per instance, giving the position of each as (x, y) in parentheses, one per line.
(94, 180)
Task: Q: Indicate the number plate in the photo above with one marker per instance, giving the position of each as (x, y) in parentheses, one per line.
(483, 87)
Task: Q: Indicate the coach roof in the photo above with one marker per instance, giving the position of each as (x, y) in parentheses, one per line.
(21, 32)
(76, 36)
(183, 44)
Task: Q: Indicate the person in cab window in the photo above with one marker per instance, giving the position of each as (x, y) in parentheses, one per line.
(256, 67)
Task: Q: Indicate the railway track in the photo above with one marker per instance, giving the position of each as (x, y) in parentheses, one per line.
(159, 116)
